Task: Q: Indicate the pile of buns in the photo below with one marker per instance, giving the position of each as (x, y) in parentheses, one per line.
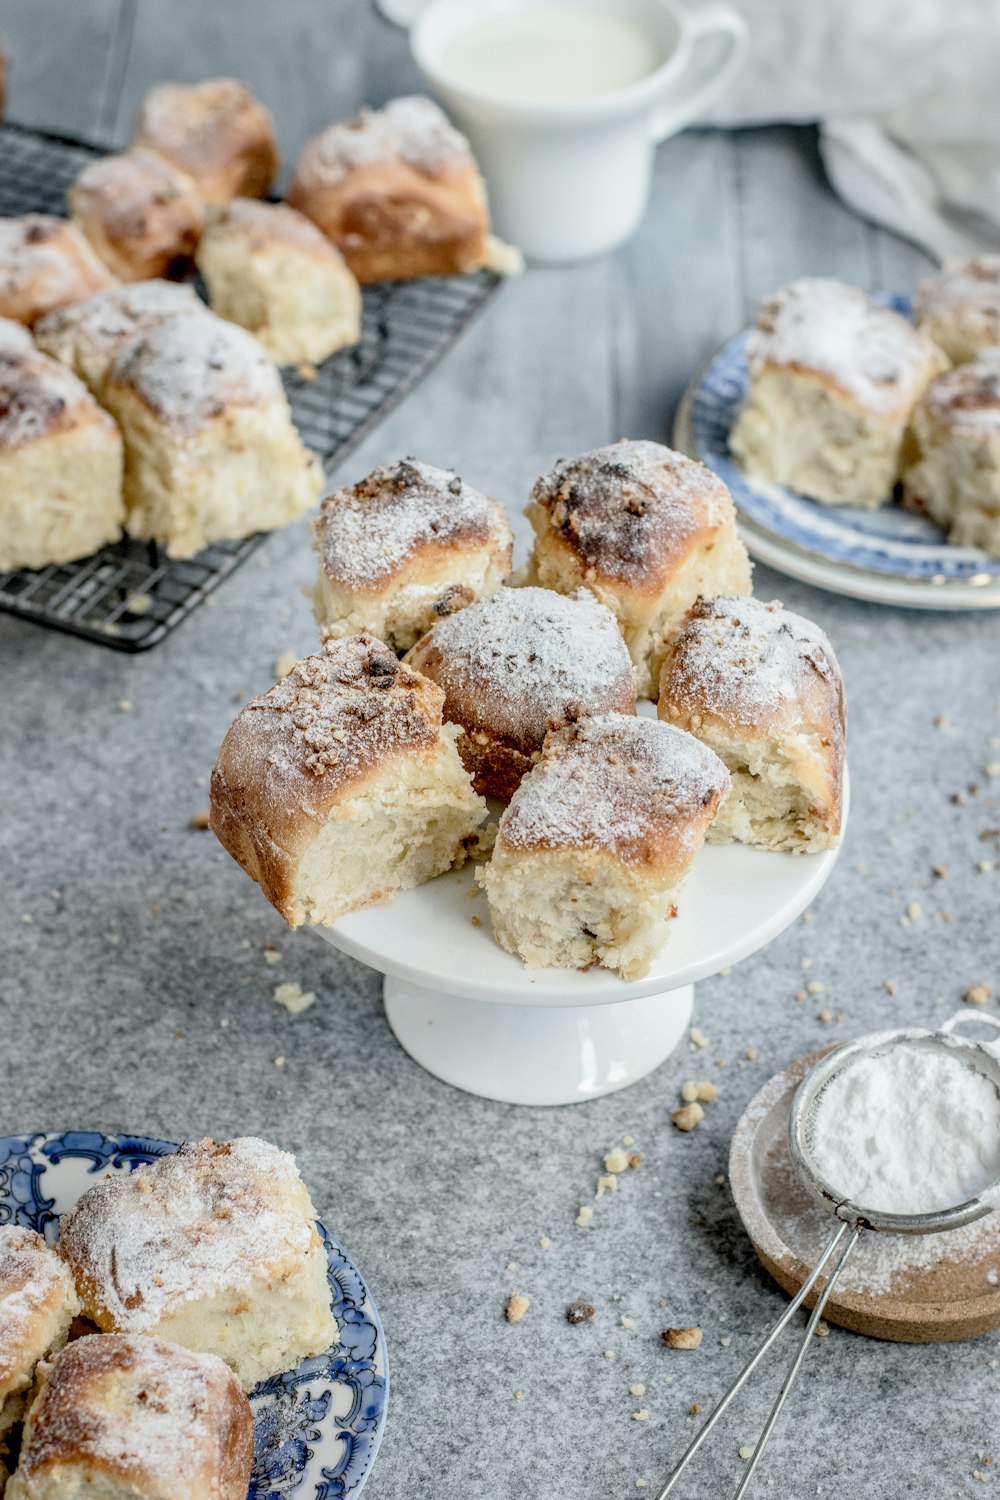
(359, 775)
(847, 398)
(125, 1352)
(202, 446)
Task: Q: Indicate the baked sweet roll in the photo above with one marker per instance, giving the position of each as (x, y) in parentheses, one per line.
(37, 1304)
(515, 664)
(142, 216)
(951, 469)
(405, 547)
(398, 191)
(268, 268)
(833, 378)
(210, 449)
(960, 307)
(216, 132)
(213, 1247)
(595, 844)
(89, 335)
(340, 786)
(45, 263)
(60, 461)
(762, 687)
(122, 1417)
(646, 530)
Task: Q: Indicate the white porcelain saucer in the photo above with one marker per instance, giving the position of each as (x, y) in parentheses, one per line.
(474, 1016)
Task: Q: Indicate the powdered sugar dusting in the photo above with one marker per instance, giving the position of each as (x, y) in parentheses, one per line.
(90, 334)
(38, 397)
(200, 1222)
(15, 337)
(967, 289)
(45, 262)
(632, 786)
(32, 1282)
(335, 715)
(631, 510)
(523, 658)
(365, 533)
(745, 660)
(966, 399)
(412, 130)
(171, 1421)
(193, 368)
(869, 351)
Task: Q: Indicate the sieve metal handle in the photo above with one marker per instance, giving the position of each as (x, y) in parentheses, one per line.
(971, 1018)
(846, 1235)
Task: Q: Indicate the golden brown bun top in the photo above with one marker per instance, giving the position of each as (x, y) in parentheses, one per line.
(755, 665)
(522, 659)
(33, 1286)
(633, 511)
(266, 226)
(633, 787)
(965, 288)
(866, 350)
(146, 1414)
(133, 197)
(45, 263)
(193, 368)
(216, 132)
(411, 130)
(193, 1224)
(367, 533)
(967, 398)
(89, 335)
(40, 398)
(335, 717)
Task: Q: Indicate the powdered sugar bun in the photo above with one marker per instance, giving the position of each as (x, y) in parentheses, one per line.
(37, 1305)
(89, 335)
(763, 688)
(646, 530)
(513, 665)
(397, 191)
(126, 1416)
(951, 469)
(204, 1247)
(405, 547)
(596, 841)
(960, 307)
(142, 215)
(216, 132)
(45, 263)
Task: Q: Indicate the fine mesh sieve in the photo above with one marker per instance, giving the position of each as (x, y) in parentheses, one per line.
(854, 1219)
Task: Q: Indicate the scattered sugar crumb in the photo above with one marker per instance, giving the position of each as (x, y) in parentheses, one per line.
(585, 1217)
(746, 1451)
(285, 663)
(914, 911)
(27, 918)
(642, 1415)
(606, 1185)
(698, 1038)
(628, 1140)
(512, 1265)
(200, 819)
(891, 986)
(978, 994)
(125, 705)
(726, 1341)
(272, 955)
(516, 1307)
(545, 1242)
(616, 1161)
(815, 987)
(140, 604)
(628, 1323)
(682, 1338)
(279, 1062)
(518, 1395)
(751, 1054)
(609, 1354)
(637, 1390)
(293, 997)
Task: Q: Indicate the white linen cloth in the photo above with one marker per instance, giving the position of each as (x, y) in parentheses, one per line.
(907, 95)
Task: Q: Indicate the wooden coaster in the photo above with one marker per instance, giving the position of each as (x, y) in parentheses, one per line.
(915, 1289)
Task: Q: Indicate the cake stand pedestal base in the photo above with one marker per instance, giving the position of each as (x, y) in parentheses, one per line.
(536, 1054)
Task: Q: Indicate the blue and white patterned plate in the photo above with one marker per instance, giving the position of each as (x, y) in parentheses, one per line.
(316, 1428)
(888, 554)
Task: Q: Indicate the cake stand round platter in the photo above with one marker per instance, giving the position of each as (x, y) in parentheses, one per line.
(886, 555)
(913, 1289)
(474, 1016)
(317, 1428)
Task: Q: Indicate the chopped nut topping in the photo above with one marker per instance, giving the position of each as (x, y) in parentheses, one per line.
(579, 1312)
(978, 994)
(682, 1338)
(516, 1308)
(688, 1117)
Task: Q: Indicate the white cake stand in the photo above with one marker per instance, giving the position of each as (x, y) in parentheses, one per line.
(475, 1016)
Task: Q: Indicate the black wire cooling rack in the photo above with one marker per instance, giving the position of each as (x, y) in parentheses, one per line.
(130, 595)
